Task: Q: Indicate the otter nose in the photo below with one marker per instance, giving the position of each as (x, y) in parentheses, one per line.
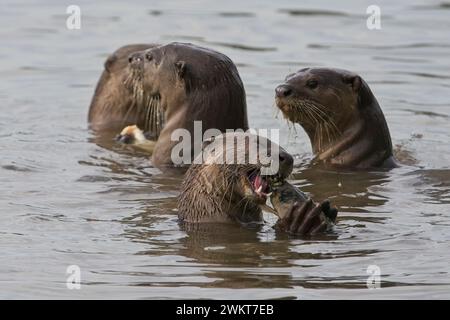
(283, 91)
(286, 164)
(135, 59)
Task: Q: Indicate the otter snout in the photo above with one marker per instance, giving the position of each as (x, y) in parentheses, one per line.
(136, 60)
(286, 164)
(283, 91)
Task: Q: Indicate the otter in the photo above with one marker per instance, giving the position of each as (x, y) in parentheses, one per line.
(116, 103)
(188, 83)
(217, 191)
(340, 115)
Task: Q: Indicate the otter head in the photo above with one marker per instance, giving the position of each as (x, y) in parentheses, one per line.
(321, 100)
(146, 79)
(158, 70)
(339, 113)
(183, 73)
(233, 180)
(164, 73)
(117, 100)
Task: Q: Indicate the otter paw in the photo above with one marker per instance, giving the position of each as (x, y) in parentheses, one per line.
(308, 218)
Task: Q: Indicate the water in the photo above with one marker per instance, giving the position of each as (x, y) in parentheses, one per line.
(67, 200)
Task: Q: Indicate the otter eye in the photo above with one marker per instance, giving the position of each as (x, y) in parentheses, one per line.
(312, 84)
(149, 57)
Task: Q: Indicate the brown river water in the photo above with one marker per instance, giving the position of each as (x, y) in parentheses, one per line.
(68, 199)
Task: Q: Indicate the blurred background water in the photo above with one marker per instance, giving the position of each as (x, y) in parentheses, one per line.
(64, 200)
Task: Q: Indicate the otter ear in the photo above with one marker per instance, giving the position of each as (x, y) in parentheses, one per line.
(354, 81)
(180, 66)
(109, 62)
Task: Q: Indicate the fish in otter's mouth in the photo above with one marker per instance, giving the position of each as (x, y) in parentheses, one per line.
(262, 186)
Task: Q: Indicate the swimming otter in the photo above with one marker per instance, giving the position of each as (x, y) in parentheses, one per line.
(216, 191)
(189, 83)
(115, 103)
(340, 115)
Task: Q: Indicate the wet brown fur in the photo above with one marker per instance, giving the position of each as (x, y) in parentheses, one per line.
(341, 116)
(216, 192)
(194, 84)
(114, 104)
(182, 84)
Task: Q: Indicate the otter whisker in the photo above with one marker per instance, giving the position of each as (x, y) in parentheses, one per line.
(132, 106)
(321, 125)
(325, 126)
(328, 120)
(147, 118)
(153, 115)
(245, 213)
(232, 190)
(227, 186)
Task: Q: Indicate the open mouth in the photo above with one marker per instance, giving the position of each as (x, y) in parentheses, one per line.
(260, 185)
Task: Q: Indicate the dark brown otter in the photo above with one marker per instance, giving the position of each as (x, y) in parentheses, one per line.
(189, 83)
(218, 191)
(115, 103)
(340, 115)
